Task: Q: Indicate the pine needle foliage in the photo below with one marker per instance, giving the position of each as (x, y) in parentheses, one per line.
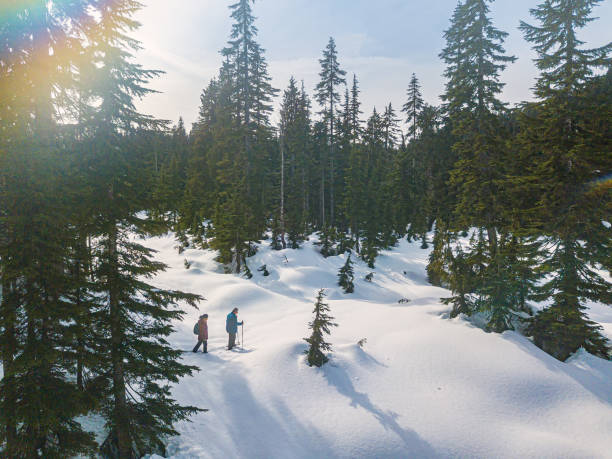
(320, 327)
(346, 276)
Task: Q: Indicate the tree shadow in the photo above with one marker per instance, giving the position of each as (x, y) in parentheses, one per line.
(271, 431)
(592, 373)
(414, 445)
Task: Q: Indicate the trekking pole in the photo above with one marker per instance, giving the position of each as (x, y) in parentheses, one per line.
(242, 344)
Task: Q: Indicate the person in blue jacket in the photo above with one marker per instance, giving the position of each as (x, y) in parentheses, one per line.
(231, 327)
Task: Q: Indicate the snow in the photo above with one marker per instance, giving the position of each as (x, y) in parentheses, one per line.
(422, 385)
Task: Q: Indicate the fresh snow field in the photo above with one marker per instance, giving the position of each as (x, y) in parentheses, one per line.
(422, 386)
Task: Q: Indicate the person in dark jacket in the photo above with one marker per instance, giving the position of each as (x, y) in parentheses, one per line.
(231, 327)
(202, 334)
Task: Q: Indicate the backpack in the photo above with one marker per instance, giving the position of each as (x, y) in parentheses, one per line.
(196, 328)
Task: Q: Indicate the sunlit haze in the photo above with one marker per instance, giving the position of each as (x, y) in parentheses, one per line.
(382, 42)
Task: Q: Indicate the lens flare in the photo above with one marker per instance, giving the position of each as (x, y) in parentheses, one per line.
(601, 184)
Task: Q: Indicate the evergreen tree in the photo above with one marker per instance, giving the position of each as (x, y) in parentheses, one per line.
(413, 106)
(346, 276)
(39, 50)
(326, 241)
(391, 128)
(133, 317)
(320, 327)
(475, 56)
(294, 137)
(355, 111)
(237, 143)
(564, 153)
(328, 97)
(172, 175)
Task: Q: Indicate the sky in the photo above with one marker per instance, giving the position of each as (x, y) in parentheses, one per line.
(381, 41)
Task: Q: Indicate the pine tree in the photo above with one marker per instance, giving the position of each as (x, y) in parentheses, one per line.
(475, 56)
(293, 136)
(437, 266)
(237, 143)
(391, 127)
(326, 241)
(328, 97)
(413, 106)
(320, 327)
(346, 276)
(40, 45)
(564, 153)
(297, 141)
(355, 111)
(459, 278)
(133, 317)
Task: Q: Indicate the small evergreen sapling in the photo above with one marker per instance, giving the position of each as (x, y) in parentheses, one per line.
(346, 276)
(320, 326)
(326, 241)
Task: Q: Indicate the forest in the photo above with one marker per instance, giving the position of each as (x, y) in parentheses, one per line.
(515, 201)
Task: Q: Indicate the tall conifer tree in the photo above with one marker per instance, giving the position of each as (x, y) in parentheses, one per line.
(475, 57)
(39, 48)
(133, 317)
(328, 97)
(565, 154)
(413, 106)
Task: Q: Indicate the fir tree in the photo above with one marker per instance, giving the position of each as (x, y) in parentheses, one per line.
(133, 317)
(326, 241)
(238, 143)
(391, 127)
(557, 140)
(355, 111)
(320, 327)
(328, 97)
(413, 106)
(346, 276)
(37, 230)
(475, 56)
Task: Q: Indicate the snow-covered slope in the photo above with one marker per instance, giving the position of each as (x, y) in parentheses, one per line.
(422, 386)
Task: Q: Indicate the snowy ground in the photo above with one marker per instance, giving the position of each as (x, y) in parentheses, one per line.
(422, 386)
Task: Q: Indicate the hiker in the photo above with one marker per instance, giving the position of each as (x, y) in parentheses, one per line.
(202, 334)
(231, 327)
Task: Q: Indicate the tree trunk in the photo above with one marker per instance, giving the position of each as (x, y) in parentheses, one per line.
(282, 196)
(120, 417)
(8, 315)
(492, 235)
(331, 189)
(322, 194)
(79, 274)
(331, 161)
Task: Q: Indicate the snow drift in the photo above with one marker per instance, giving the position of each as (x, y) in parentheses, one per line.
(422, 385)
